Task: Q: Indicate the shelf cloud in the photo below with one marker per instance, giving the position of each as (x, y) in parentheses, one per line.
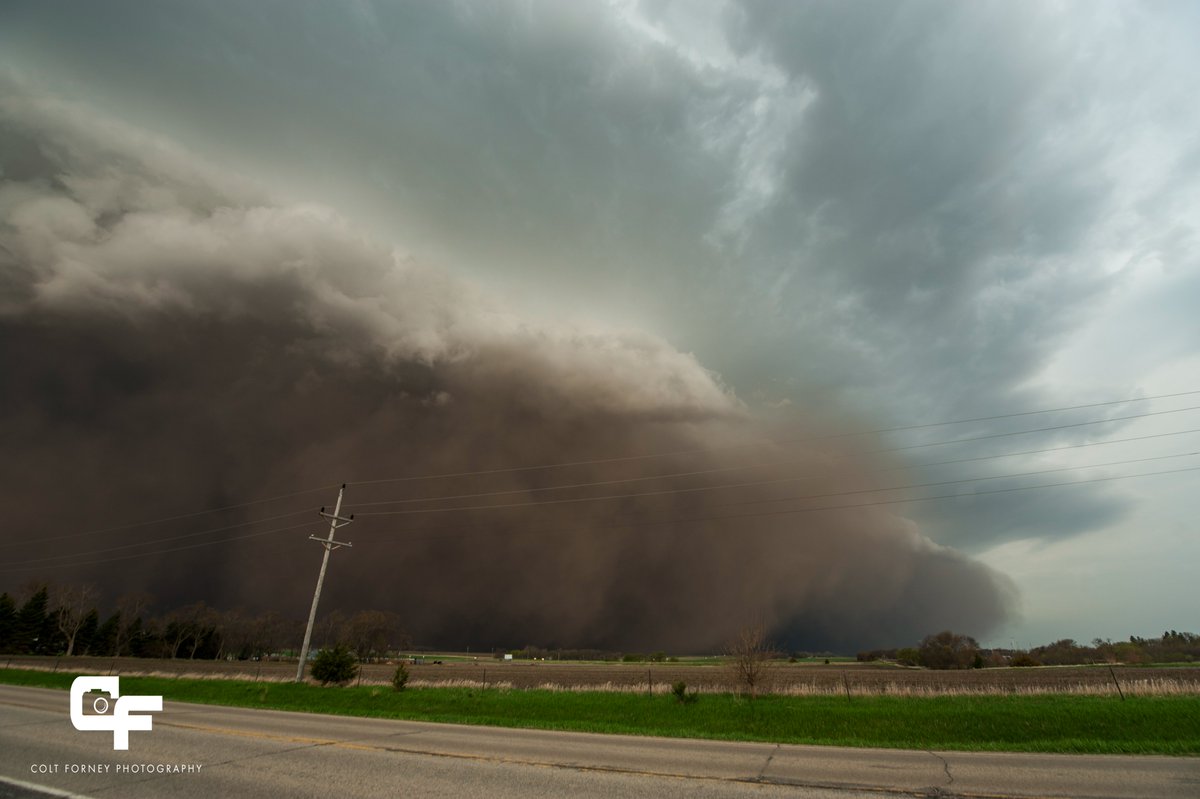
(172, 338)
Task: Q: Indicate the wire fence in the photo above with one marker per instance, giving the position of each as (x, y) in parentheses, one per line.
(850, 680)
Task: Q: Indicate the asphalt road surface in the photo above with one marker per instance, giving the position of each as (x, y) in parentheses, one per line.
(204, 751)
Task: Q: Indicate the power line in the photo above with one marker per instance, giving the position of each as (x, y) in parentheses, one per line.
(178, 517)
(844, 506)
(1034, 413)
(168, 539)
(677, 520)
(756, 483)
(20, 567)
(209, 531)
(746, 467)
(940, 483)
(986, 492)
(649, 456)
(598, 461)
(1045, 429)
(1043, 451)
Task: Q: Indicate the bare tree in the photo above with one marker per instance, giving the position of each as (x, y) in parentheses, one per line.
(129, 608)
(330, 629)
(370, 633)
(73, 602)
(201, 620)
(750, 660)
(175, 631)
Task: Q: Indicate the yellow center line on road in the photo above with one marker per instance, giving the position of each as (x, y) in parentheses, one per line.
(249, 734)
(381, 747)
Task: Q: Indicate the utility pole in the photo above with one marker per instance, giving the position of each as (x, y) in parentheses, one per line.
(335, 521)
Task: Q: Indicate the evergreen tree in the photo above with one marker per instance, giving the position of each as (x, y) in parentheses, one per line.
(337, 665)
(105, 641)
(31, 619)
(86, 637)
(144, 642)
(51, 640)
(8, 622)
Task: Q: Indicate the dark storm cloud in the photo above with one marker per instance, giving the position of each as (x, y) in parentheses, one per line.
(171, 340)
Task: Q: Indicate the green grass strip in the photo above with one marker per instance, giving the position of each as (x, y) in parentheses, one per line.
(1167, 725)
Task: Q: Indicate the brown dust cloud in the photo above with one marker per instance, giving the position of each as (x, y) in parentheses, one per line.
(173, 339)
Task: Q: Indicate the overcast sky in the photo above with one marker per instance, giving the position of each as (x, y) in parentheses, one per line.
(899, 213)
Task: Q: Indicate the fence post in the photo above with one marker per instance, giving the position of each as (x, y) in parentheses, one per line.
(1116, 682)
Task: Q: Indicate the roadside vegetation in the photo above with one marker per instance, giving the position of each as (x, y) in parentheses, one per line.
(1050, 723)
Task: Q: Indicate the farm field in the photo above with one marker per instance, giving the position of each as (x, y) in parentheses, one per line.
(855, 679)
(1168, 725)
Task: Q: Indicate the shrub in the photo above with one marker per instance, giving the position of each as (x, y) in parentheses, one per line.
(337, 665)
(680, 692)
(1022, 659)
(400, 677)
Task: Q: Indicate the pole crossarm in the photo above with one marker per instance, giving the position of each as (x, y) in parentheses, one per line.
(328, 543)
(334, 518)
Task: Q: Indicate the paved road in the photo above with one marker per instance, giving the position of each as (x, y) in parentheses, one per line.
(250, 753)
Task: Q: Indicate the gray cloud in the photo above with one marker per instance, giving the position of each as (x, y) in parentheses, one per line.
(946, 212)
(951, 185)
(173, 339)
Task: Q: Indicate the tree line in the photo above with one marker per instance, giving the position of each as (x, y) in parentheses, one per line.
(67, 620)
(950, 650)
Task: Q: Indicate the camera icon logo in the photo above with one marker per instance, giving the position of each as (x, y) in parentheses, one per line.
(120, 722)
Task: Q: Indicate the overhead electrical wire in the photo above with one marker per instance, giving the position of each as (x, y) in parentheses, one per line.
(906, 500)
(750, 484)
(799, 440)
(178, 517)
(928, 425)
(1044, 429)
(772, 464)
(844, 506)
(677, 520)
(171, 538)
(21, 567)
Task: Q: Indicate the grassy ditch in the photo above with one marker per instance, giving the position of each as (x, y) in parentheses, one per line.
(1047, 723)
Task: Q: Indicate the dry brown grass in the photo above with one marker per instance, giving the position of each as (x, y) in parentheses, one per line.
(787, 679)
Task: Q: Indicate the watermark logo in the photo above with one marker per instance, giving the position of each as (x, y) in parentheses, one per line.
(119, 721)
